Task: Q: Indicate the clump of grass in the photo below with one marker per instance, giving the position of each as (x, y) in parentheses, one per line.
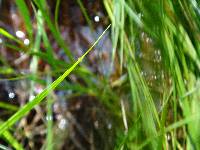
(158, 113)
(170, 25)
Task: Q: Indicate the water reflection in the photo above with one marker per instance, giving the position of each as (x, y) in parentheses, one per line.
(96, 124)
(38, 89)
(11, 95)
(109, 126)
(96, 18)
(48, 118)
(31, 97)
(26, 42)
(20, 34)
(62, 124)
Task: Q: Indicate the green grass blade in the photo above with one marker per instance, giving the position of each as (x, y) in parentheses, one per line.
(26, 108)
(56, 14)
(133, 15)
(49, 137)
(35, 60)
(12, 141)
(2, 147)
(8, 106)
(85, 14)
(13, 47)
(53, 29)
(6, 70)
(26, 15)
(10, 36)
(109, 10)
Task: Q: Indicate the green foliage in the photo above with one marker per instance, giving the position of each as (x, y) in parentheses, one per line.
(158, 113)
(170, 25)
(26, 108)
(41, 35)
(9, 36)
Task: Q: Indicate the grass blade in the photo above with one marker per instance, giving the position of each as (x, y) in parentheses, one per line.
(26, 15)
(53, 29)
(10, 36)
(8, 106)
(12, 141)
(26, 108)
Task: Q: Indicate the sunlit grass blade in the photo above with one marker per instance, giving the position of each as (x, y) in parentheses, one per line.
(30, 105)
(2, 147)
(12, 141)
(109, 9)
(6, 70)
(9, 36)
(133, 15)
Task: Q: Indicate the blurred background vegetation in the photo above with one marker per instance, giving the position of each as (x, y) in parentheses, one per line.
(136, 87)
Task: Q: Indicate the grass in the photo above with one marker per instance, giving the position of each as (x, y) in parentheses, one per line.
(49, 140)
(153, 90)
(179, 49)
(26, 108)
